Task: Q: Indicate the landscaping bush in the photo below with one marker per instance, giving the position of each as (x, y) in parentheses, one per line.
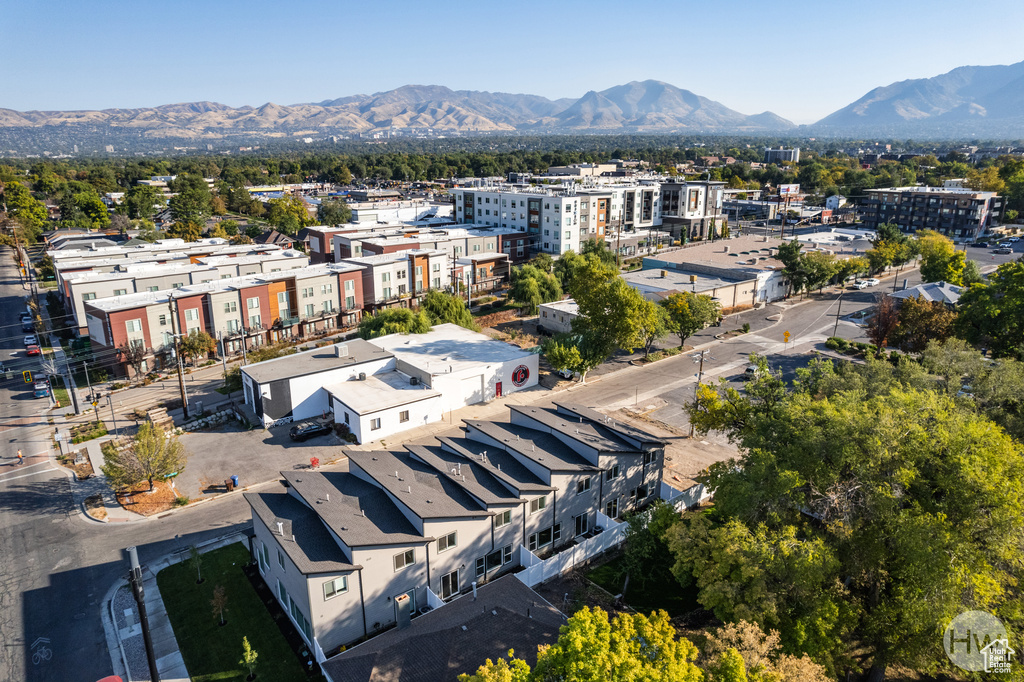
(84, 432)
(837, 343)
(746, 327)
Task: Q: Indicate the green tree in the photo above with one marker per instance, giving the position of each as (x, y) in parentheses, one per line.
(574, 352)
(191, 203)
(920, 321)
(591, 647)
(141, 201)
(230, 227)
(566, 266)
(971, 274)
(728, 668)
(512, 670)
(688, 313)
(443, 308)
(92, 207)
(790, 256)
(940, 261)
(333, 213)
(218, 206)
(121, 468)
(543, 261)
(196, 344)
(992, 314)
(599, 249)
(394, 321)
(289, 214)
(652, 324)
(820, 268)
(249, 657)
(530, 286)
(187, 230)
(156, 453)
(25, 210)
(646, 557)
(857, 517)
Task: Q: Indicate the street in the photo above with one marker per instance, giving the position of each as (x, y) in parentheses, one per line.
(58, 566)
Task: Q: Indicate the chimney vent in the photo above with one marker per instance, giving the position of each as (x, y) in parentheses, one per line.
(280, 528)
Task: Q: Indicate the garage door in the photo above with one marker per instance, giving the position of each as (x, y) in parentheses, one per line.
(473, 389)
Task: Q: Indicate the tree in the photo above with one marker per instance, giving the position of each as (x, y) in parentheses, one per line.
(220, 605)
(157, 453)
(240, 239)
(940, 261)
(186, 230)
(249, 657)
(857, 517)
(133, 353)
(530, 286)
(217, 206)
(883, 322)
(253, 231)
(289, 214)
(543, 261)
(230, 227)
(196, 344)
(195, 558)
(147, 231)
(599, 249)
(761, 655)
(652, 323)
(122, 469)
(688, 313)
(572, 352)
(790, 256)
(443, 308)
(512, 670)
(992, 314)
(566, 266)
(393, 321)
(333, 213)
(820, 268)
(646, 556)
(120, 222)
(191, 203)
(141, 201)
(920, 321)
(591, 647)
(971, 274)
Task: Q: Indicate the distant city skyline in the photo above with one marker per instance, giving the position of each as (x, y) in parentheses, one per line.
(802, 60)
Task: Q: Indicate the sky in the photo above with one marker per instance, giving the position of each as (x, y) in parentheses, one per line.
(800, 59)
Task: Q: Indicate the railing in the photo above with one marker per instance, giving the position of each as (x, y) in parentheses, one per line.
(537, 570)
(685, 499)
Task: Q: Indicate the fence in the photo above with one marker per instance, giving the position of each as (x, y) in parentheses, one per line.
(537, 570)
(686, 499)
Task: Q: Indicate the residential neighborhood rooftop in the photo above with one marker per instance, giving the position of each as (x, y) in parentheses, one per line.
(543, 448)
(314, 361)
(472, 476)
(303, 536)
(498, 463)
(448, 348)
(379, 391)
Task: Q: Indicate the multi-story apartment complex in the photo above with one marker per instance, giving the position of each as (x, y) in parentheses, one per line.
(777, 156)
(351, 552)
(401, 277)
(960, 214)
(689, 209)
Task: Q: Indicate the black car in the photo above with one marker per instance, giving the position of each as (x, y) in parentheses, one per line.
(983, 245)
(27, 327)
(306, 430)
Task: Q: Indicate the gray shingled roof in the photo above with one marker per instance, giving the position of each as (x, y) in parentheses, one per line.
(541, 447)
(470, 475)
(423, 490)
(579, 430)
(360, 513)
(314, 361)
(313, 550)
(944, 292)
(501, 464)
(605, 422)
(435, 648)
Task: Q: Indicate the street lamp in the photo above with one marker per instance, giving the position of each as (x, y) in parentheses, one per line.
(700, 375)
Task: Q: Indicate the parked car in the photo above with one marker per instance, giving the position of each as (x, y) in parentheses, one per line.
(25, 317)
(42, 389)
(31, 340)
(982, 245)
(566, 373)
(32, 350)
(1013, 240)
(301, 432)
(1003, 250)
(865, 283)
(27, 327)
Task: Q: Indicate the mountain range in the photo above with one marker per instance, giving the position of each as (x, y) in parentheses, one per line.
(972, 101)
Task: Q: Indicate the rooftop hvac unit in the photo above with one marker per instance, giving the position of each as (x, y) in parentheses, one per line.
(414, 381)
(362, 376)
(341, 350)
(663, 274)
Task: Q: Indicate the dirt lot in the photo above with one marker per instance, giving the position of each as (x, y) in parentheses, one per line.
(141, 501)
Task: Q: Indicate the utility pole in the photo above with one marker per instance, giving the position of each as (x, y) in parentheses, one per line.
(139, 592)
(696, 391)
(110, 401)
(839, 307)
(85, 366)
(177, 355)
(223, 356)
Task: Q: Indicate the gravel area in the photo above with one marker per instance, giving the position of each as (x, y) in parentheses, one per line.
(134, 648)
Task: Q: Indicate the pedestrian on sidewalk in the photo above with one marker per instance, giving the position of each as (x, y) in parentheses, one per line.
(21, 458)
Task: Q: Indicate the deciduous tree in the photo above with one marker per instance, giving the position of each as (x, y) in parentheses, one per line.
(885, 317)
(133, 353)
(688, 313)
(992, 314)
(157, 453)
(197, 344)
(335, 212)
(394, 321)
(920, 321)
(530, 286)
(443, 308)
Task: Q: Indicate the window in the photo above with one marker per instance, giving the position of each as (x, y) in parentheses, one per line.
(88, 297)
(120, 292)
(283, 592)
(419, 270)
(642, 492)
(254, 321)
(568, 234)
(307, 292)
(506, 554)
(310, 310)
(328, 306)
(192, 315)
(544, 537)
(375, 424)
(230, 307)
(350, 285)
(350, 302)
(481, 566)
(232, 325)
(401, 289)
(346, 418)
(133, 326)
(649, 457)
(264, 557)
(437, 267)
(503, 519)
(300, 620)
(333, 588)
(612, 473)
(385, 277)
(326, 288)
(403, 416)
(583, 485)
(280, 558)
(446, 542)
(406, 558)
(386, 292)
(437, 282)
(581, 525)
(253, 303)
(611, 509)
(538, 504)
(163, 320)
(449, 585)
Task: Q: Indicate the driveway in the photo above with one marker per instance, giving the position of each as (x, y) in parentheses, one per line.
(254, 456)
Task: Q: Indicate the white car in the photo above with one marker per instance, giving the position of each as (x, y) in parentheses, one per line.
(1013, 239)
(31, 341)
(872, 282)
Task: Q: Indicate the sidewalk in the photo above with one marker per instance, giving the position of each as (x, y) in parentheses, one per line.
(120, 617)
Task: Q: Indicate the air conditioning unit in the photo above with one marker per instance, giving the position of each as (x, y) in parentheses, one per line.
(341, 350)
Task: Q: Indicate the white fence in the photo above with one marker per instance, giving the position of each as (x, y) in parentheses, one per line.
(536, 570)
(433, 601)
(318, 652)
(686, 499)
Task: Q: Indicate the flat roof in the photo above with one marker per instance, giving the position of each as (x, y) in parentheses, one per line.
(564, 306)
(380, 391)
(428, 493)
(447, 348)
(649, 281)
(312, 550)
(360, 513)
(726, 253)
(314, 361)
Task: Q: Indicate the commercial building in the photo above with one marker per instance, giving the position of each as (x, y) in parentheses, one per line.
(389, 384)
(691, 209)
(960, 214)
(352, 552)
(777, 156)
(556, 317)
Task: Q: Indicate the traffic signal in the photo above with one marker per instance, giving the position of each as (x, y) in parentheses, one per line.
(27, 376)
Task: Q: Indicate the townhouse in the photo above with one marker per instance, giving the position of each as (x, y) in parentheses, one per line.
(399, 278)
(352, 552)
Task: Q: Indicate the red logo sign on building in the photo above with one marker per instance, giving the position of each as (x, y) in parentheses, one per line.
(520, 375)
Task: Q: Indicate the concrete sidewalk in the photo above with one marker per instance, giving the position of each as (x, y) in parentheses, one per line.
(120, 617)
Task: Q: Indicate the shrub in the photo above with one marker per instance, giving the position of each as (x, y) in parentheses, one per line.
(746, 327)
(181, 500)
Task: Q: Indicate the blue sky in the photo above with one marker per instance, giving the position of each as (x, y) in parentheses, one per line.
(800, 59)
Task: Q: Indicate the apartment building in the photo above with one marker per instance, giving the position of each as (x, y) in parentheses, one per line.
(550, 218)
(960, 214)
(398, 278)
(777, 156)
(485, 271)
(689, 209)
(352, 551)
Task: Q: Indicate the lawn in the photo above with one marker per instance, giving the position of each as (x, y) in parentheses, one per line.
(212, 652)
(59, 392)
(664, 593)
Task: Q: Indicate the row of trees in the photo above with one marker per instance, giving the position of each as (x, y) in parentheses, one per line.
(436, 307)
